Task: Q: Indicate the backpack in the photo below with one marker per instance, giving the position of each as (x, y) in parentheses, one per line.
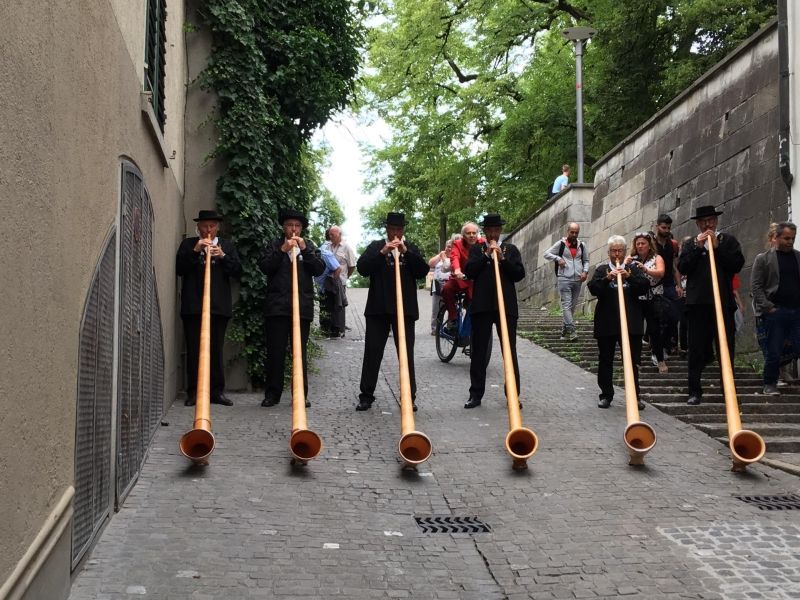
(561, 253)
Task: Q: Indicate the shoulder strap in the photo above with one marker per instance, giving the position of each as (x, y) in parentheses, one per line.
(560, 254)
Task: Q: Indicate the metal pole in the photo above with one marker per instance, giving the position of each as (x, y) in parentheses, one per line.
(579, 103)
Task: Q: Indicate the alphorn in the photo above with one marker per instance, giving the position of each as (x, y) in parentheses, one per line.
(639, 436)
(414, 447)
(198, 443)
(521, 442)
(304, 444)
(746, 446)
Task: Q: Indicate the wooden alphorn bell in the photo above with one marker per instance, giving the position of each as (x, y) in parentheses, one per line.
(414, 447)
(746, 446)
(198, 443)
(304, 444)
(639, 436)
(521, 442)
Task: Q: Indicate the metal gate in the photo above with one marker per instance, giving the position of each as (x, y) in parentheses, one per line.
(140, 392)
(93, 413)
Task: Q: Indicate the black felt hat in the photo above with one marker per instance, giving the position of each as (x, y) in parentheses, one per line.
(291, 213)
(208, 215)
(396, 218)
(706, 211)
(492, 220)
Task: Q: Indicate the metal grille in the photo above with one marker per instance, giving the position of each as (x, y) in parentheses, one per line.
(450, 524)
(789, 502)
(93, 411)
(141, 364)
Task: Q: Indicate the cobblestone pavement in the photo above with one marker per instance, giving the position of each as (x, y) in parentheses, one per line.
(579, 523)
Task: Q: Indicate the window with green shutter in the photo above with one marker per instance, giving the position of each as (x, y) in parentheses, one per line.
(155, 57)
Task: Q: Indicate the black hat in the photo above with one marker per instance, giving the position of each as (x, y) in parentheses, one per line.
(706, 211)
(291, 213)
(208, 215)
(396, 218)
(492, 220)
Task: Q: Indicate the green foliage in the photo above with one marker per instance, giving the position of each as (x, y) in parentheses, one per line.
(279, 69)
(481, 96)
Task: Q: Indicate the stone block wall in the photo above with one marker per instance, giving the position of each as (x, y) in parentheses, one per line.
(715, 144)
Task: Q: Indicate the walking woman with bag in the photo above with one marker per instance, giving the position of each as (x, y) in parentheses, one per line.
(644, 255)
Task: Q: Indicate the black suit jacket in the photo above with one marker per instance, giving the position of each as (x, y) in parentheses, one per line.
(191, 266)
(381, 299)
(277, 266)
(695, 264)
(480, 268)
(606, 313)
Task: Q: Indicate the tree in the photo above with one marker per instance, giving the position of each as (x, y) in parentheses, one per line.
(481, 95)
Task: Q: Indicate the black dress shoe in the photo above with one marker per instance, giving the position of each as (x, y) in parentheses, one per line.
(308, 403)
(472, 402)
(603, 402)
(270, 401)
(641, 405)
(363, 404)
(221, 399)
(414, 406)
(190, 401)
(694, 400)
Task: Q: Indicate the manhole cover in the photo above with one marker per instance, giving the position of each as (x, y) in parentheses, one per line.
(790, 502)
(450, 524)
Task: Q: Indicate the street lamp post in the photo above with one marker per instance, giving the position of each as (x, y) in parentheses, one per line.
(579, 35)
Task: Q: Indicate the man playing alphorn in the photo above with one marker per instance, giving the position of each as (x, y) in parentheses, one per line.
(484, 308)
(377, 263)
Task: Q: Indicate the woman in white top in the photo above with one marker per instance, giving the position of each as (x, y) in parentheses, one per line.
(644, 255)
(440, 263)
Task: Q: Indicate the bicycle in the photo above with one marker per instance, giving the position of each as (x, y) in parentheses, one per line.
(447, 343)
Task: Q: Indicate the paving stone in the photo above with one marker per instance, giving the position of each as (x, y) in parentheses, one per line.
(579, 523)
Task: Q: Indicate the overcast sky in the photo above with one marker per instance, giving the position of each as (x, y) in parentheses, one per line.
(345, 176)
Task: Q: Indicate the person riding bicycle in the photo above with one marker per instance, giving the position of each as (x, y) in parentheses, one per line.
(457, 282)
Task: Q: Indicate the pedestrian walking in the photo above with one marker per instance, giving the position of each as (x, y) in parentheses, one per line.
(775, 287)
(333, 297)
(571, 261)
(668, 250)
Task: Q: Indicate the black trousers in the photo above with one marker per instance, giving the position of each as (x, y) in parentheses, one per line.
(374, 344)
(702, 325)
(606, 348)
(279, 334)
(481, 350)
(191, 331)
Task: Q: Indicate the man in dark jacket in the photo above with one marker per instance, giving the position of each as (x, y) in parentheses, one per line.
(695, 264)
(607, 327)
(484, 309)
(276, 263)
(775, 286)
(190, 266)
(377, 263)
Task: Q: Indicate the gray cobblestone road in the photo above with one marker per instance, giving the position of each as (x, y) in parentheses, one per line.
(580, 523)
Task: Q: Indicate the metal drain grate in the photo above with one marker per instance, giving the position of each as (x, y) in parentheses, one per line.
(790, 502)
(449, 524)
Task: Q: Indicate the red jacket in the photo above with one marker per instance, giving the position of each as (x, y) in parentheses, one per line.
(459, 255)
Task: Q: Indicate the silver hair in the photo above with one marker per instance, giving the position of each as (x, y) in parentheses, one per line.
(617, 240)
(467, 224)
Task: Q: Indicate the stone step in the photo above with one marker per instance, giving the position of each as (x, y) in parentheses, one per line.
(752, 419)
(681, 409)
(775, 445)
(773, 430)
(713, 397)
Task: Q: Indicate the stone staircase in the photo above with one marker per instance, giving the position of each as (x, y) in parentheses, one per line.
(775, 418)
